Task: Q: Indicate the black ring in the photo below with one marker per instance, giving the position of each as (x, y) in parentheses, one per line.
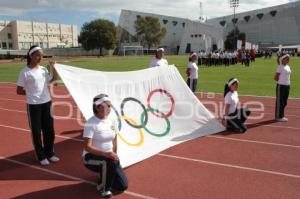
(139, 102)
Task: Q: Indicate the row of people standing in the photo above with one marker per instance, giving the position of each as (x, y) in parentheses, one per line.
(235, 117)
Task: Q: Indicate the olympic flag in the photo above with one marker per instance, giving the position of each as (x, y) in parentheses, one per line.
(153, 109)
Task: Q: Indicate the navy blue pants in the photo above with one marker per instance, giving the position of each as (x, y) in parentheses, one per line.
(115, 179)
(41, 122)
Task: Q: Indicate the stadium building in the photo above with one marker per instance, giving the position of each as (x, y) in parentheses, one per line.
(19, 35)
(272, 26)
(268, 27)
(183, 35)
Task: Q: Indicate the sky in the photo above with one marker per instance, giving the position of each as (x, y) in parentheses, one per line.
(80, 11)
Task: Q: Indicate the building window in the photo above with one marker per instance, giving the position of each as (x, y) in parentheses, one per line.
(273, 13)
(234, 20)
(222, 23)
(192, 36)
(260, 15)
(165, 21)
(247, 18)
(196, 36)
(10, 45)
(4, 46)
(183, 25)
(174, 23)
(9, 35)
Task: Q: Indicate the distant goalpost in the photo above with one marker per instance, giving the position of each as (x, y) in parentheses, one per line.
(132, 50)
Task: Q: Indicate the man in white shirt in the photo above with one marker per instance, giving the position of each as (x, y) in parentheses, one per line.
(158, 60)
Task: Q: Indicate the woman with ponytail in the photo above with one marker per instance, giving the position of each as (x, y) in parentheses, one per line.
(33, 82)
(234, 117)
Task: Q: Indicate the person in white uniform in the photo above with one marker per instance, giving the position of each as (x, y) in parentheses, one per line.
(192, 72)
(158, 60)
(234, 116)
(100, 149)
(33, 82)
(282, 77)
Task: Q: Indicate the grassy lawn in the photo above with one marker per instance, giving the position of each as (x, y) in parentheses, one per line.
(254, 80)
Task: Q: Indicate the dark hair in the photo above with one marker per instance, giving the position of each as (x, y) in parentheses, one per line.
(28, 56)
(226, 88)
(95, 99)
(190, 58)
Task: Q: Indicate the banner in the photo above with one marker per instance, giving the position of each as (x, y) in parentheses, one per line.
(153, 109)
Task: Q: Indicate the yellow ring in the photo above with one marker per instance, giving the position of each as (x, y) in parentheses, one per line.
(140, 142)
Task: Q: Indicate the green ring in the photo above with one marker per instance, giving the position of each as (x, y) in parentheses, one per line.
(152, 133)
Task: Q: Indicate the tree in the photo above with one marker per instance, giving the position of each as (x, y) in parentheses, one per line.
(98, 34)
(232, 37)
(149, 31)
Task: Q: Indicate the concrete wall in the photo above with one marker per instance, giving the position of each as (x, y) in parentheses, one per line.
(282, 28)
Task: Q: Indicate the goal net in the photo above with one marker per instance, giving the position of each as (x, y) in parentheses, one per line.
(132, 50)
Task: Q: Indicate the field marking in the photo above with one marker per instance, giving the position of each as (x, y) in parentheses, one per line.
(259, 96)
(209, 136)
(28, 130)
(68, 176)
(201, 93)
(204, 161)
(230, 166)
(55, 117)
(253, 141)
(79, 119)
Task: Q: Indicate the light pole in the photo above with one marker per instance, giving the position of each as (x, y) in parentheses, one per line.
(234, 4)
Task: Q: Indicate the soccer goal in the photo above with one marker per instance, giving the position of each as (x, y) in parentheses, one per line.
(132, 50)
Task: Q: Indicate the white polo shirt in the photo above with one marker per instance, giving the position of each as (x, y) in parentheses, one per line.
(285, 74)
(232, 99)
(158, 62)
(193, 70)
(35, 82)
(101, 132)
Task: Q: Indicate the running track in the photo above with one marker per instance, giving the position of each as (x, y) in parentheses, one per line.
(263, 163)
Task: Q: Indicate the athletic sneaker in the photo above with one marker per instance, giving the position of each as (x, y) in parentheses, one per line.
(106, 194)
(53, 159)
(44, 162)
(284, 119)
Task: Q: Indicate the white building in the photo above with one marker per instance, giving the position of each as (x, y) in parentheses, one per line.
(183, 35)
(23, 34)
(272, 26)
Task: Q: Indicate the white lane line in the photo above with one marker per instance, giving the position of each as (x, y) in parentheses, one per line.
(55, 117)
(68, 176)
(27, 130)
(188, 159)
(210, 136)
(79, 119)
(230, 166)
(253, 141)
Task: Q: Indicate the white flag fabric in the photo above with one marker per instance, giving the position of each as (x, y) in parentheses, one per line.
(153, 109)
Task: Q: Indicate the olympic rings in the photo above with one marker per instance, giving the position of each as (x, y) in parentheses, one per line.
(144, 117)
(140, 142)
(122, 112)
(169, 95)
(155, 134)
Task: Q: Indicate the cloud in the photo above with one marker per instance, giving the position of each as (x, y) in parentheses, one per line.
(111, 8)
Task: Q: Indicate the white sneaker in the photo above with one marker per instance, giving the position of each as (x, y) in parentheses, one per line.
(106, 194)
(284, 119)
(53, 159)
(44, 162)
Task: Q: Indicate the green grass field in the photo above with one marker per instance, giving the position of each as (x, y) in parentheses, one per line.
(255, 80)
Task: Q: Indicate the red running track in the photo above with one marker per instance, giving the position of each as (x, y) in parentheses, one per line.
(262, 163)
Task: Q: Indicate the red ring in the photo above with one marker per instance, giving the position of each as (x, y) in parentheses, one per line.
(169, 95)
